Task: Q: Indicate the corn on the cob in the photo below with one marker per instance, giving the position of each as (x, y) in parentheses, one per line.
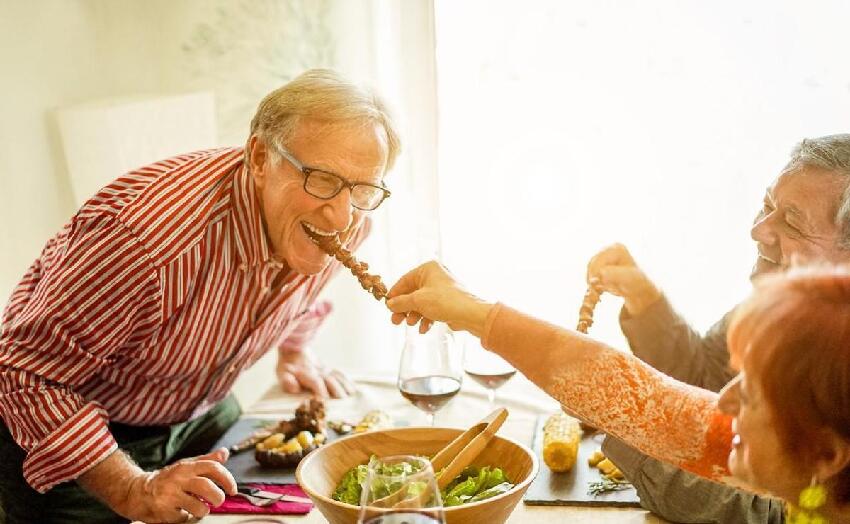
(561, 438)
(375, 419)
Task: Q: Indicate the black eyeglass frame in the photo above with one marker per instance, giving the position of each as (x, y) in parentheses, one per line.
(307, 171)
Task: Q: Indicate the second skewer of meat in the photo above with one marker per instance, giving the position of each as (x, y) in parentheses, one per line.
(585, 313)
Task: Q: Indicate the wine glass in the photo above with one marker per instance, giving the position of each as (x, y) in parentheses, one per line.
(400, 489)
(430, 372)
(485, 367)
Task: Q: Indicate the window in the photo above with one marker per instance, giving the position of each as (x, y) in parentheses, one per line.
(566, 126)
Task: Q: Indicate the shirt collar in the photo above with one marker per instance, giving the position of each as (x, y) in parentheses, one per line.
(249, 235)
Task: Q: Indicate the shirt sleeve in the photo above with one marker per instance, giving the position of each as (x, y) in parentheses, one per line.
(679, 496)
(307, 325)
(616, 392)
(663, 339)
(92, 292)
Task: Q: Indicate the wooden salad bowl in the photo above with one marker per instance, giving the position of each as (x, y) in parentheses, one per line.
(321, 471)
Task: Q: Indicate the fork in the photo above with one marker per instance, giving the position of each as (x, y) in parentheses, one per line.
(257, 501)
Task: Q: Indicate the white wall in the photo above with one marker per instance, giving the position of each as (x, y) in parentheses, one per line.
(50, 57)
(63, 52)
(58, 53)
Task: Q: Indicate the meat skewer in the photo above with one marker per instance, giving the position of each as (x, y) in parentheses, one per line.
(585, 313)
(333, 247)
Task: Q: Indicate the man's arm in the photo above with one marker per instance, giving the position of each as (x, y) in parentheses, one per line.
(297, 368)
(91, 291)
(169, 494)
(680, 496)
(663, 339)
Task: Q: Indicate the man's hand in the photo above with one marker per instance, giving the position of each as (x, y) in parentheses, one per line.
(172, 494)
(430, 293)
(615, 271)
(297, 371)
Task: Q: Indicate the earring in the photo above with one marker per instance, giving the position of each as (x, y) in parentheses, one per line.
(811, 499)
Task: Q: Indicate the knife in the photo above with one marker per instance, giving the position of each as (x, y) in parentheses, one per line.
(270, 495)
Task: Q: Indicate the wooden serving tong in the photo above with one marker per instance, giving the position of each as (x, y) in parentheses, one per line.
(449, 462)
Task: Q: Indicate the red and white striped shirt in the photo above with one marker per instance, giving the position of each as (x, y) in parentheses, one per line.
(143, 310)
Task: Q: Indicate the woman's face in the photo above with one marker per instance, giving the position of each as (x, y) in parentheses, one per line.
(758, 457)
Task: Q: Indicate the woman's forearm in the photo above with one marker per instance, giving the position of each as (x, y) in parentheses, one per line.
(616, 392)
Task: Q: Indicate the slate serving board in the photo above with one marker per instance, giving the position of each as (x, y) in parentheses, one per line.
(570, 488)
(242, 465)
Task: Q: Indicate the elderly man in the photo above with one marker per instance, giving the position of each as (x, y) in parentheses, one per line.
(805, 218)
(122, 341)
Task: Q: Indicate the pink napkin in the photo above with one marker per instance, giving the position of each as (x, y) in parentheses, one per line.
(237, 504)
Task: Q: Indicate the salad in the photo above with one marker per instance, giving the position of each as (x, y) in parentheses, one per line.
(473, 484)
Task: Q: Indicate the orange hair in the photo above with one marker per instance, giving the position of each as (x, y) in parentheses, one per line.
(793, 335)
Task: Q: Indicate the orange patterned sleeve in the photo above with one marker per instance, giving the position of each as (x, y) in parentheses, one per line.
(616, 392)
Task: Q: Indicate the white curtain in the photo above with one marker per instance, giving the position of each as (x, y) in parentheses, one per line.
(390, 45)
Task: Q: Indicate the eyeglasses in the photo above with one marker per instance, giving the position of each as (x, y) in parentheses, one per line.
(324, 185)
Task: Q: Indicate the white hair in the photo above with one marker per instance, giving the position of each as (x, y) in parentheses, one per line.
(322, 94)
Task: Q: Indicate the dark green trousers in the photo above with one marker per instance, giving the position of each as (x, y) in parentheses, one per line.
(150, 447)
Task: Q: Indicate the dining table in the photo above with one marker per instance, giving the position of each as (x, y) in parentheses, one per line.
(524, 401)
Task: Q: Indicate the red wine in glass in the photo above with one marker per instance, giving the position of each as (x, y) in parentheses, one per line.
(431, 368)
(491, 381)
(429, 393)
(487, 368)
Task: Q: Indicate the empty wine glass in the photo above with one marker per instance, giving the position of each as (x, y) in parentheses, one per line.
(400, 489)
(485, 367)
(430, 371)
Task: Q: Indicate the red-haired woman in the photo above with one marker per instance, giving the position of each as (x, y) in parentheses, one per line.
(782, 427)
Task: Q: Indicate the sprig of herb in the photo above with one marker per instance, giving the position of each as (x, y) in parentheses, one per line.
(607, 485)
